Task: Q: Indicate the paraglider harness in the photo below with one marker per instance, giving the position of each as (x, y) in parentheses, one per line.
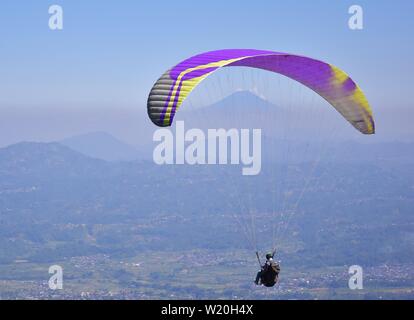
(269, 272)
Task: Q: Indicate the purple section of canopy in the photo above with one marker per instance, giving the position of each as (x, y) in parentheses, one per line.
(213, 56)
(315, 74)
(349, 85)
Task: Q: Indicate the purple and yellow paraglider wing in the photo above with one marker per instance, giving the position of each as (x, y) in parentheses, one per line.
(334, 85)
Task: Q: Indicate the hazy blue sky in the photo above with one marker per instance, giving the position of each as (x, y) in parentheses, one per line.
(110, 52)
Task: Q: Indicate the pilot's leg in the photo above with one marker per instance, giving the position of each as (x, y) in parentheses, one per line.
(258, 276)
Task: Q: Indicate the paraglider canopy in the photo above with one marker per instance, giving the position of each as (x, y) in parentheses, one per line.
(328, 81)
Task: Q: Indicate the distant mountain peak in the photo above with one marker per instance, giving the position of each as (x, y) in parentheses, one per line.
(242, 98)
(241, 101)
(241, 108)
(246, 94)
